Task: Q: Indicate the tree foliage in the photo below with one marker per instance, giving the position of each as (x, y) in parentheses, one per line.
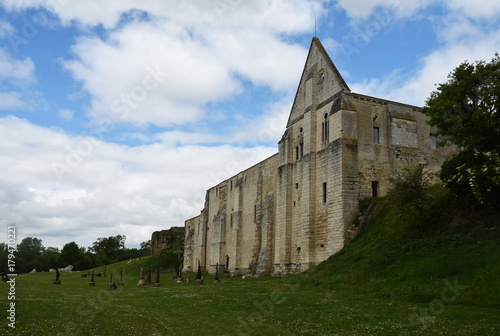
(465, 111)
(408, 189)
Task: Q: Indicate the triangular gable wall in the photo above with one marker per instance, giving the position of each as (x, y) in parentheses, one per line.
(317, 61)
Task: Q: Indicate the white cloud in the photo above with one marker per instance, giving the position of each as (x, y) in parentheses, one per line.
(15, 70)
(198, 61)
(11, 101)
(462, 41)
(106, 189)
(66, 114)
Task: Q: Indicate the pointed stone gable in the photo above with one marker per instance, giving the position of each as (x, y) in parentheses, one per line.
(319, 77)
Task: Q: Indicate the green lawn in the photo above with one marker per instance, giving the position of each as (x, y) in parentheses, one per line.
(258, 306)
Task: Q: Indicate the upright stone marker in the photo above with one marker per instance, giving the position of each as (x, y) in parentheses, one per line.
(199, 278)
(157, 282)
(121, 283)
(92, 283)
(57, 281)
(111, 285)
(226, 271)
(141, 280)
(216, 280)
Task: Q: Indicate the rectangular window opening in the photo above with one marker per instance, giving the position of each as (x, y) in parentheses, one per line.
(376, 135)
(374, 189)
(324, 192)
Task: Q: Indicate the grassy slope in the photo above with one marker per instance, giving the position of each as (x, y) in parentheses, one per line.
(416, 258)
(399, 277)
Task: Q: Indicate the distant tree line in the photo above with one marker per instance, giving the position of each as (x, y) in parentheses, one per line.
(30, 253)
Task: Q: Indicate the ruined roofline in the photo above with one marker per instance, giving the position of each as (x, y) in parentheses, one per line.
(229, 178)
(192, 218)
(383, 101)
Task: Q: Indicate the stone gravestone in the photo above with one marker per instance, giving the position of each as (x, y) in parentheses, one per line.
(179, 276)
(111, 285)
(148, 280)
(141, 280)
(216, 280)
(199, 278)
(121, 283)
(226, 271)
(57, 281)
(157, 282)
(92, 283)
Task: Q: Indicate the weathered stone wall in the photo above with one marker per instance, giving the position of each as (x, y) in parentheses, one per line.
(293, 210)
(172, 238)
(232, 221)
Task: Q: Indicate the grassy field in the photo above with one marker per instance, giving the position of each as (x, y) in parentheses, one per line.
(400, 277)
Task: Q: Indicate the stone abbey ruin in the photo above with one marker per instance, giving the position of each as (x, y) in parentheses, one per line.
(294, 209)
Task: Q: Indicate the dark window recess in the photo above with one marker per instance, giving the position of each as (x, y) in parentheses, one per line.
(301, 149)
(325, 129)
(374, 189)
(297, 153)
(324, 192)
(376, 135)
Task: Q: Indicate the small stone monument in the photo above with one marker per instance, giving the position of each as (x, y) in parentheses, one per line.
(199, 278)
(92, 283)
(104, 273)
(141, 280)
(226, 271)
(57, 281)
(121, 283)
(179, 276)
(216, 280)
(249, 272)
(148, 280)
(157, 282)
(111, 285)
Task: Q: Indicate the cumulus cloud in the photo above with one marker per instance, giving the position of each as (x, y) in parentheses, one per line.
(461, 37)
(55, 186)
(160, 72)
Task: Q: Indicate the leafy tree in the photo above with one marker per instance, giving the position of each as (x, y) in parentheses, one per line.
(50, 258)
(72, 254)
(146, 247)
(107, 249)
(4, 251)
(466, 112)
(29, 254)
(408, 189)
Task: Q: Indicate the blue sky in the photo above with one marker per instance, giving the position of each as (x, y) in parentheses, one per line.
(115, 116)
